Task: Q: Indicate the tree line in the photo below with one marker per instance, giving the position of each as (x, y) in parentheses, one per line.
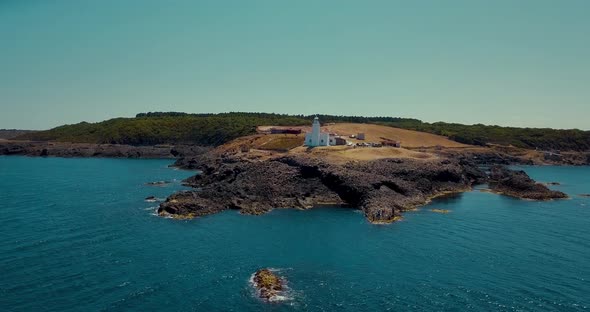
(214, 129)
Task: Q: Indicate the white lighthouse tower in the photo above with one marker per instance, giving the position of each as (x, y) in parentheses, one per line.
(317, 137)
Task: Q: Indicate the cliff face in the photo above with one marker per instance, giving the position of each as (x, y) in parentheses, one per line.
(381, 188)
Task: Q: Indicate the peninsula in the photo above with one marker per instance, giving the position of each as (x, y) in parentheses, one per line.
(258, 162)
(382, 181)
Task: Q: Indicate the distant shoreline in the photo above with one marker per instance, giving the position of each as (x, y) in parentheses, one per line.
(480, 155)
(87, 150)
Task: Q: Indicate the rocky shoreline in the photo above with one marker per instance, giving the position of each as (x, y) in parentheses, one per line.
(382, 189)
(63, 149)
(518, 184)
(503, 155)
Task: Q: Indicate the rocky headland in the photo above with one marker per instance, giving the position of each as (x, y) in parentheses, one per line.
(241, 177)
(382, 188)
(519, 184)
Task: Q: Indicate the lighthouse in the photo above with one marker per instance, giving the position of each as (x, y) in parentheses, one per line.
(317, 137)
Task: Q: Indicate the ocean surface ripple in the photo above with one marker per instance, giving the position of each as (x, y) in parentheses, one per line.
(77, 235)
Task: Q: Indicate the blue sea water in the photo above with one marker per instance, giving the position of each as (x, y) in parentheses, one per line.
(77, 235)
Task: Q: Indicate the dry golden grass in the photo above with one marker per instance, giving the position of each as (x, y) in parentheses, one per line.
(282, 143)
(342, 154)
(376, 133)
(266, 146)
(262, 144)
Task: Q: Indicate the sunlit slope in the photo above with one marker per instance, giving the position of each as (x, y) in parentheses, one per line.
(377, 133)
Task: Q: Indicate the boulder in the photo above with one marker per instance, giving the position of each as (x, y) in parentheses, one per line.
(268, 285)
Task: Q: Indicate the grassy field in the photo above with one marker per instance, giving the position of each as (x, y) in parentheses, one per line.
(343, 154)
(293, 144)
(377, 133)
(282, 143)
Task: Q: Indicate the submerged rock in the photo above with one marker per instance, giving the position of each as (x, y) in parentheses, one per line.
(443, 211)
(519, 184)
(158, 183)
(268, 285)
(552, 183)
(151, 199)
(584, 195)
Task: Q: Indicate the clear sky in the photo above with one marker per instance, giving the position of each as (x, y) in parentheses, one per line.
(507, 62)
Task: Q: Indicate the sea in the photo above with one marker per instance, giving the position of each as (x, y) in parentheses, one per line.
(78, 235)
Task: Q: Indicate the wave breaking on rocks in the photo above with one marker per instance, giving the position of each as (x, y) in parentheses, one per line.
(269, 286)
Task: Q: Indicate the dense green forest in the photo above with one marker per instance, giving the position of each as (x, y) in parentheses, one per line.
(215, 129)
(165, 128)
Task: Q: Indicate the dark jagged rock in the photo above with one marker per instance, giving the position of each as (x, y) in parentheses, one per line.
(485, 157)
(381, 188)
(268, 285)
(251, 187)
(519, 184)
(499, 155)
(567, 158)
(500, 158)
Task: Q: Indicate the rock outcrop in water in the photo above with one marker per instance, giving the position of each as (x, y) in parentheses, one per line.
(381, 188)
(443, 211)
(158, 183)
(152, 199)
(268, 285)
(519, 184)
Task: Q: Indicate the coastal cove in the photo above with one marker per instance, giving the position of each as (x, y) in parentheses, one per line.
(78, 235)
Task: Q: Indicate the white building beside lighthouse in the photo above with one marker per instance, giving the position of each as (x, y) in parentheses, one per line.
(317, 137)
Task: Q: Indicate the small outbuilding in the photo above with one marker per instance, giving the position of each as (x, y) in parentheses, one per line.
(391, 143)
(285, 131)
(337, 140)
(360, 136)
